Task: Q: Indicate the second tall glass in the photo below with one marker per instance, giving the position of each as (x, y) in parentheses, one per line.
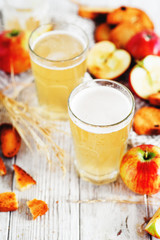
(101, 113)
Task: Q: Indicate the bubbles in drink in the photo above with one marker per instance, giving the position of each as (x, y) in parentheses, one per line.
(57, 68)
(100, 120)
(58, 46)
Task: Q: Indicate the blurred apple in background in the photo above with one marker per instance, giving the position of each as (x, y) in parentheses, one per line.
(143, 44)
(14, 55)
(145, 77)
(140, 168)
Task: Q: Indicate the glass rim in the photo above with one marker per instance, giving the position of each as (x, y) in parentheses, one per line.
(102, 125)
(60, 23)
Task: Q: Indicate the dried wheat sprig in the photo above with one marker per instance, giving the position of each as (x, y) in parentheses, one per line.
(29, 119)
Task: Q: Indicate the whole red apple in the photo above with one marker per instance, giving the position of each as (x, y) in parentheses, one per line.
(140, 169)
(143, 44)
(14, 55)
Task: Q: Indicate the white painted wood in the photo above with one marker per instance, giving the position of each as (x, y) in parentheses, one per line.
(62, 219)
(110, 220)
(153, 209)
(5, 186)
(66, 219)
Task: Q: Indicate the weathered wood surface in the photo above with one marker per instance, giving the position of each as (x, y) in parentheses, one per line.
(67, 218)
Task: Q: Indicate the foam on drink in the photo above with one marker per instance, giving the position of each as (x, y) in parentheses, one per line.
(58, 46)
(99, 105)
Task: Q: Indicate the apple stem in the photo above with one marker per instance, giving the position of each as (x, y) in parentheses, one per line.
(145, 155)
(13, 33)
(141, 64)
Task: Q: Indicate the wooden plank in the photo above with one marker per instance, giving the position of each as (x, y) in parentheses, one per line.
(111, 220)
(107, 220)
(6, 186)
(153, 207)
(5, 181)
(62, 219)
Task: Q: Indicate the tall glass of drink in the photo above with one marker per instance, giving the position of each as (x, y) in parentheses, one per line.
(58, 57)
(101, 113)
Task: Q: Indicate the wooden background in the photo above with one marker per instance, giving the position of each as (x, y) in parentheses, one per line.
(112, 214)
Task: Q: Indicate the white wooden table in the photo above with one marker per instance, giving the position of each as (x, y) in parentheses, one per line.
(67, 218)
(71, 215)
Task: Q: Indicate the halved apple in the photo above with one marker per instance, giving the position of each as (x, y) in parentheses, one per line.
(153, 227)
(145, 77)
(106, 61)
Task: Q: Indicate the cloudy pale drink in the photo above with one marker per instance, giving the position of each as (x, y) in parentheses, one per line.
(98, 140)
(58, 70)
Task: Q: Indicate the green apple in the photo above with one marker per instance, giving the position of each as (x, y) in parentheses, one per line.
(153, 227)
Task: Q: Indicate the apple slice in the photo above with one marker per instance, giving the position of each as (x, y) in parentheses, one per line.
(145, 77)
(106, 61)
(92, 12)
(153, 227)
(154, 99)
(129, 14)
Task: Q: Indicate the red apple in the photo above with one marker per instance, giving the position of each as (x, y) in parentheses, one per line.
(144, 43)
(14, 55)
(144, 77)
(140, 168)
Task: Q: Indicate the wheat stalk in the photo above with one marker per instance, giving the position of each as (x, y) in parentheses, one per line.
(151, 201)
(30, 122)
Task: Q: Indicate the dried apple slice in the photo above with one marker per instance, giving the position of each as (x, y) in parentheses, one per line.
(153, 227)
(147, 121)
(37, 207)
(23, 179)
(3, 170)
(129, 14)
(154, 99)
(106, 61)
(145, 77)
(93, 12)
(8, 202)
